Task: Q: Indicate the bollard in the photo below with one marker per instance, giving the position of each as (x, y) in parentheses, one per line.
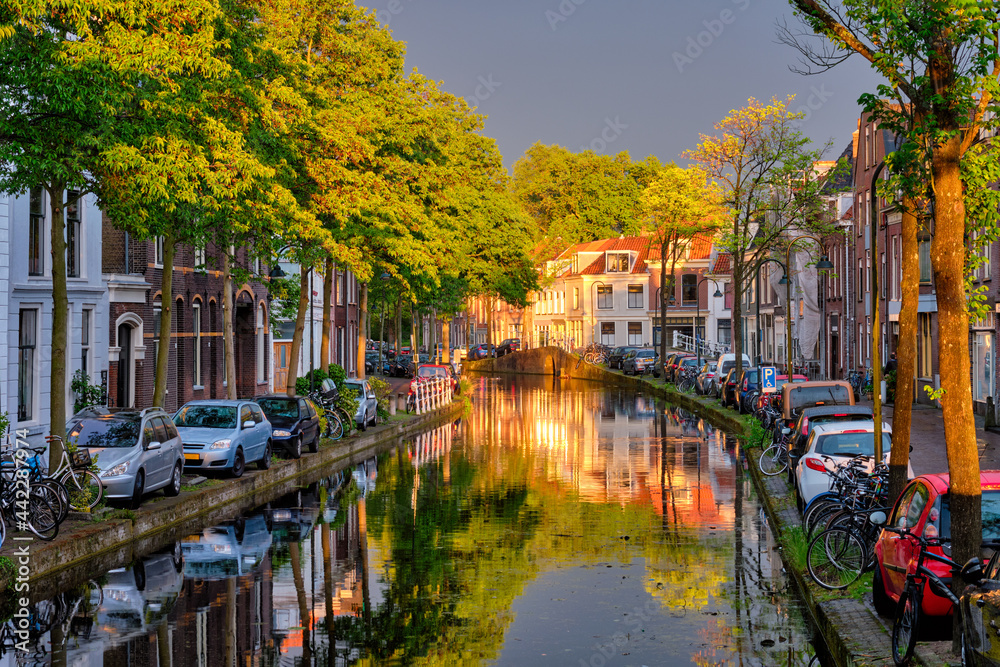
(392, 408)
(401, 402)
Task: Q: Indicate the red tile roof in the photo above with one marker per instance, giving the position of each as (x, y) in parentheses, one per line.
(723, 265)
(596, 267)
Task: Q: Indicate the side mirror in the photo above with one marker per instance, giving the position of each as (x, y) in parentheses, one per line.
(153, 446)
(877, 518)
(972, 572)
(911, 448)
(786, 431)
(249, 423)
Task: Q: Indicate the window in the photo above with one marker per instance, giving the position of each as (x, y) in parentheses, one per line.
(635, 333)
(157, 316)
(634, 297)
(725, 332)
(26, 372)
(861, 279)
(605, 297)
(73, 237)
(689, 288)
(158, 251)
(924, 255)
(340, 289)
(882, 277)
(36, 233)
(728, 295)
(199, 259)
(256, 266)
(924, 341)
(245, 415)
(607, 333)
(196, 333)
(617, 262)
(85, 334)
(576, 298)
(868, 271)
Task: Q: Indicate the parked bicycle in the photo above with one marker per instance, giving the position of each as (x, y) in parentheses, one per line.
(83, 485)
(333, 424)
(840, 554)
(595, 353)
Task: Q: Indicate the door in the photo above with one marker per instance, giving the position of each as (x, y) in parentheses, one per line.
(125, 393)
(262, 429)
(156, 460)
(281, 354)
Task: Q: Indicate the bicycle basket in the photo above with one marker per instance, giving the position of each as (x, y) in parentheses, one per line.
(80, 458)
(328, 390)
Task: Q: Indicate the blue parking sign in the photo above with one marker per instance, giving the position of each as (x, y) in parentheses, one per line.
(768, 378)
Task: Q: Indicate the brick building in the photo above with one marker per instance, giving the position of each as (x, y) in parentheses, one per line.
(133, 271)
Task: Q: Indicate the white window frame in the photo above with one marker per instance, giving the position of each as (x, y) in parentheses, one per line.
(38, 220)
(35, 361)
(158, 252)
(196, 334)
(613, 259)
(200, 262)
(87, 340)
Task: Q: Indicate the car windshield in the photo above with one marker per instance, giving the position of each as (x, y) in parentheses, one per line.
(940, 515)
(751, 376)
(106, 432)
(279, 407)
(358, 388)
(431, 371)
(206, 416)
(645, 354)
(860, 443)
(806, 397)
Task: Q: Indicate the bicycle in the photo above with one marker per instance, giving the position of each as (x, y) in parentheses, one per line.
(687, 377)
(774, 459)
(333, 425)
(51, 488)
(83, 484)
(839, 555)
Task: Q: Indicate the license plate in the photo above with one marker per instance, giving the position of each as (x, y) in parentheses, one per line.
(192, 457)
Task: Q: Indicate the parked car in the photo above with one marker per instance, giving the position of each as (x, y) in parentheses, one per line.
(923, 509)
(830, 444)
(703, 381)
(294, 422)
(137, 451)
(482, 351)
(639, 362)
(728, 389)
(617, 355)
(980, 611)
(371, 361)
(796, 396)
(748, 385)
(224, 435)
(672, 363)
(401, 366)
(436, 371)
(508, 345)
(367, 414)
(230, 549)
(687, 364)
(822, 414)
(728, 361)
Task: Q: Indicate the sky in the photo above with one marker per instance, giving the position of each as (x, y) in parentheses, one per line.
(645, 76)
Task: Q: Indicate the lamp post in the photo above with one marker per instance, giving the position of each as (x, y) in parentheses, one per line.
(697, 294)
(823, 264)
(381, 343)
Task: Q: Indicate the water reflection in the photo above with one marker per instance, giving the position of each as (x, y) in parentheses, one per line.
(553, 525)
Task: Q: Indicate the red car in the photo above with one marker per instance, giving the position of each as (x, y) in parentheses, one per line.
(923, 509)
(427, 371)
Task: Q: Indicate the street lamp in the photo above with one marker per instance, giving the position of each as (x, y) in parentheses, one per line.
(697, 294)
(823, 264)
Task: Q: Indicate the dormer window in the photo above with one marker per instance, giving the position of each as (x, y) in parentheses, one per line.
(576, 264)
(617, 262)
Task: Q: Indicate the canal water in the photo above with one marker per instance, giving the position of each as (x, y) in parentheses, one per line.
(555, 524)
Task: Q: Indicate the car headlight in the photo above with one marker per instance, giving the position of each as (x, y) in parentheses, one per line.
(221, 444)
(281, 433)
(119, 469)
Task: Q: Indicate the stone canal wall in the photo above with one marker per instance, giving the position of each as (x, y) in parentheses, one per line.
(852, 632)
(84, 546)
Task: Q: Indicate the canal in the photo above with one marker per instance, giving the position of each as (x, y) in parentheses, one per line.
(556, 524)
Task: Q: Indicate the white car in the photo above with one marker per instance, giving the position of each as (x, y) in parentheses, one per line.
(831, 444)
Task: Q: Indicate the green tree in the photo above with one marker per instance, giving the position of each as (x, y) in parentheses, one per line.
(753, 159)
(940, 63)
(680, 204)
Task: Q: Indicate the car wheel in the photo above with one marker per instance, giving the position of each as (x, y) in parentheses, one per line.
(239, 463)
(314, 445)
(174, 488)
(880, 599)
(375, 419)
(137, 489)
(296, 451)
(139, 572)
(265, 461)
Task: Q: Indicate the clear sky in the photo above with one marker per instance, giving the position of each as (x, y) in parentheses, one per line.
(646, 76)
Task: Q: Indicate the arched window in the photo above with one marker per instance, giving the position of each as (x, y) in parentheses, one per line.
(196, 336)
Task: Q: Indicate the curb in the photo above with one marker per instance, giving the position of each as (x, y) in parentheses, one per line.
(64, 563)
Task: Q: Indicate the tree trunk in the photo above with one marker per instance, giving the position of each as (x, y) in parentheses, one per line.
(305, 302)
(60, 317)
(662, 307)
(469, 331)
(446, 341)
(948, 259)
(489, 326)
(227, 324)
(737, 323)
(413, 329)
(324, 348)
(398, 322)
(305, 614)
(906, 353)
(362, 327)
(166, 309)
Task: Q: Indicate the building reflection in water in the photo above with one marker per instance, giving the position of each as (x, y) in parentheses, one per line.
(429, 552)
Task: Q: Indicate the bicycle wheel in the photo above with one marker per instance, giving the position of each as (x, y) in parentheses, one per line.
(49, 489)
(836, 558)
(685, 385)
(817, 509)
(85, 489)
(41, 519)
(589, 357)
(334, 427)
(904, 626)
(774, 460)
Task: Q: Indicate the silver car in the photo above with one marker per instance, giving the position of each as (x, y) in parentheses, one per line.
(136, 452)
(367, 414)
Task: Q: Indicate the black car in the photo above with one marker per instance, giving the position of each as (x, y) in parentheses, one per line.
(401, 366)
(821, 414)
(981, 613)
(294, 422)
(482, 351)
(617, 356)
(507, 346)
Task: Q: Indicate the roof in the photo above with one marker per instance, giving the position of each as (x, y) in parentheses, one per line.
(723, 265)
(837, 410)
(866, 425)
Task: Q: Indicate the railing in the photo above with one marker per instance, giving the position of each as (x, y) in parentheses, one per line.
(708, 349)
(431, 394)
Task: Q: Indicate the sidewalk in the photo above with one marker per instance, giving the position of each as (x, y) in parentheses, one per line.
(927, 438)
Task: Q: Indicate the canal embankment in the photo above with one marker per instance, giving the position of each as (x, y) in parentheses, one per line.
(115, 537)
(848, 624)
